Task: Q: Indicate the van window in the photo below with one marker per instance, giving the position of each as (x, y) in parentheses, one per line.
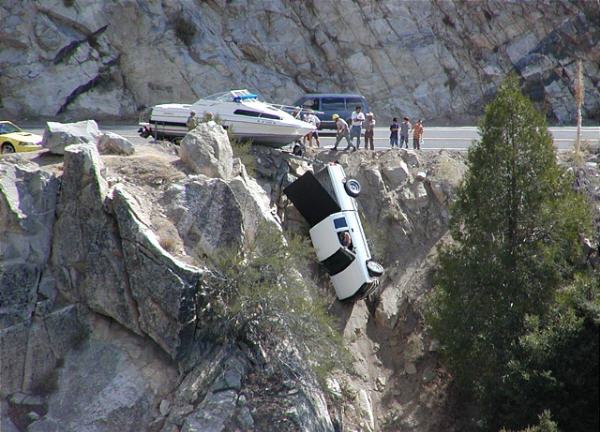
(352, 102)
(310, 103)
(333, 104)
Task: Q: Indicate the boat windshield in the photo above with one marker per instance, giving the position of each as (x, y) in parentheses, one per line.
(231, 96)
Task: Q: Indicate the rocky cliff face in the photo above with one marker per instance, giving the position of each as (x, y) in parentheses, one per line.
(434, 59)
(103, 283)
(102, 275)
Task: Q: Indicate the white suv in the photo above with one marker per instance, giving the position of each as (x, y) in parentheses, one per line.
(327, 202)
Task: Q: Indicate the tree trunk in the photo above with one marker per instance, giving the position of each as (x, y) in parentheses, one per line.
(578, 139)
(579, 94)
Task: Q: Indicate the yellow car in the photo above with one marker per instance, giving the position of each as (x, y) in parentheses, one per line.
(14, 139)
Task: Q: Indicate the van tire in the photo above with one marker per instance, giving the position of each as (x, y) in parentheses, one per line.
(352, 187)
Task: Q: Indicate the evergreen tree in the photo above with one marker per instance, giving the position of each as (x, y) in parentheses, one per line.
(557, 367)
(515, 225)
(545, 424)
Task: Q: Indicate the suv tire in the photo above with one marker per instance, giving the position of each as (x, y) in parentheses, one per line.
(375, 269)
(352, 187)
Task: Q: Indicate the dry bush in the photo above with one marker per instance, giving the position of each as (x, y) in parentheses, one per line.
(243, 151)
(151, 171)
(168, 237)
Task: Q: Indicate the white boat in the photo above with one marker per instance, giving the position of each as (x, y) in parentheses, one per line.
(239, 111)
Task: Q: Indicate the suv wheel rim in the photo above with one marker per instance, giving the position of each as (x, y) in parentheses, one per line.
(375, 268)
(352, 187)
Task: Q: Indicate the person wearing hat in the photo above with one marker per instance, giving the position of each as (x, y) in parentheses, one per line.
(369, 131)
(192, 121)
(342, 132)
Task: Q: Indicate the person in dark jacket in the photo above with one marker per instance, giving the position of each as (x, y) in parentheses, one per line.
(394, 128)
(192, 121)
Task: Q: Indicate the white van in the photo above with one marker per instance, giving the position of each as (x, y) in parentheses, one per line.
(327, 201)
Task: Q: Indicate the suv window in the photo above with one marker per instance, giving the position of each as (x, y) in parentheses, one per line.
(339, 261)
(340, 223)
(333, 104)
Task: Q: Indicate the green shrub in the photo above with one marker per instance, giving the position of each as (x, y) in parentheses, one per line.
(184, 30)
(545, 424)
(258, 297)
(557, 366)
(242, 149)
(515, 224)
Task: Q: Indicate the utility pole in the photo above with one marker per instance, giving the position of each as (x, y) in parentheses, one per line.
(579, 96)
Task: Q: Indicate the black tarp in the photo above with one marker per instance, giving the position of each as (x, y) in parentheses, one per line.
(311, 199)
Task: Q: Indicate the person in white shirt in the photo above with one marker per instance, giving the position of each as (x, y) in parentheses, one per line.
(315, 121)
(357, 121)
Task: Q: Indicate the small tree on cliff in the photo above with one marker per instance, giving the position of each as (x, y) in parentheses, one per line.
(515, 222)
(258, 297)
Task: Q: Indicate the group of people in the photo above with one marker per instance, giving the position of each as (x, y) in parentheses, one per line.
(193, 121)
(399, 132)
(358, 121)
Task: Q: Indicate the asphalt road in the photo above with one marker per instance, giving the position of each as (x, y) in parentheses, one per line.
(461, 138)
(434, 138)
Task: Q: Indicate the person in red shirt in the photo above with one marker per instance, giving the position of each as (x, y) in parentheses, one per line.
(417, 134)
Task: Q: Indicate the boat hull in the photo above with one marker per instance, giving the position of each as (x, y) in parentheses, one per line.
(169, 121)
